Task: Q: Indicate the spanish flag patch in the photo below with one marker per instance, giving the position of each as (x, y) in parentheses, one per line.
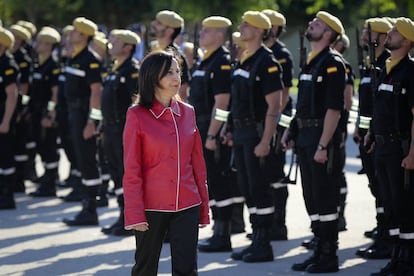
(134, 76)
(55, 71)
(272, 69)
(225, 67)
(282, 60)
(332, 69)
(23, 64)
(9, 72)
(94, 65)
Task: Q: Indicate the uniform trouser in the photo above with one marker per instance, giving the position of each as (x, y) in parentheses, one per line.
(218, 176)
(367, 160)
(113, 148)
(62, 118)
(7, 166)
(388, 157)
(253, 177)
(24, 147)
(182, 228)
(103, 162)
(343, 186)
(85, 150)
(321, 191)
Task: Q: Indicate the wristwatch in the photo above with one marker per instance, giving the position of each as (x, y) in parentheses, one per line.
(321, 147)
(211, 137)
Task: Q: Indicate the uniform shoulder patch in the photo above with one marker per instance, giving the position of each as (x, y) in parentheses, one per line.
(272, 69)
(9, 72)
(225, 67)
(282, 60)
(332, 69)
(94, 65)
(56, 71)
(23, 64)
(134, 75)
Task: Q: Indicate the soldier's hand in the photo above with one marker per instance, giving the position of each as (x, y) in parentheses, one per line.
(89, 130)
(408, 162)
(368, 143)
(46, 122)
(262, 150)
(286, 142)
(4, 128)
(211, 144)
(321, 156)
(356, 137)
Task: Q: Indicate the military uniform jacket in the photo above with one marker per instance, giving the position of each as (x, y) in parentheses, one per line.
(44, 77)
(23, 62)
(211, 77)
(394, 100)
(119, 87)
(343, 121)
(320, 89)
(365, 92)
(8, 75)
(258, 76)
(284, 57)
(81, 71)
(185, 71)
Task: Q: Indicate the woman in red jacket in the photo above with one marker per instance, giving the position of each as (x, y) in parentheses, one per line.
(165, 176)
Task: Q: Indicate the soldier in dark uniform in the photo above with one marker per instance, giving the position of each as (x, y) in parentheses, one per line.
(42, 104)
(165, 28)
(210, 94)
(280, 190)
(340, 46)
(391, 129)
(255, 105)
(8, 100)
(118, 94)
(24, 147)
(83, 88)
(380, 248)
(317, 139)
(74, 177)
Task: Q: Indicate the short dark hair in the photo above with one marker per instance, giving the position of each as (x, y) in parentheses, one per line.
(153, 68)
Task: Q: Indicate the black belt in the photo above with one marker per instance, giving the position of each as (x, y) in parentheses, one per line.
(245, 122)
(390, 138)
(302, 123)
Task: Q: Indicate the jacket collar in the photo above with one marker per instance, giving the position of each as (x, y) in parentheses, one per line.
(158, 109)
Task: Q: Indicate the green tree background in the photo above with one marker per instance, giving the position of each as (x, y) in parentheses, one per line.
(121, 13)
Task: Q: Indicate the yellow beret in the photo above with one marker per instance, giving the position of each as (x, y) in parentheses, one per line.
(379, 25)
(276, 18)
(126, 36)
(49, 35)
(332, 21)
(170, 19)
(6, 38)
(390, 20)
(28, 26)
(85, 26)
(257, 19)
(100, 41)
(67, 29)
(216, 22)
(405, 27)
(236, 39)
(21, 32)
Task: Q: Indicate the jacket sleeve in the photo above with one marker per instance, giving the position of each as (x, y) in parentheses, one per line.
(132, 181)
(200, 175)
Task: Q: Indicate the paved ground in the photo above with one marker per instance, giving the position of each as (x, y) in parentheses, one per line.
(34, 241)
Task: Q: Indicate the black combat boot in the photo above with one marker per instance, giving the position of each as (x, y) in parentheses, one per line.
(6, 193)
(237, 219)
(381, 249)
(87, 216)
(102, 197)
(341, 218)
(117, 229)
(405, 264)
(220, 241)
(390, 268)
(47, 187)
(312, 259)
(261, 248)
(278, 231)
(78, 192)
(238, 256)
(327, 261)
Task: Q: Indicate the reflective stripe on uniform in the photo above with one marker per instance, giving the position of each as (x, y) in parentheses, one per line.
(394, 232)
(51, 165)
(364, 122)
(30, 145)
(21, 158)
(243, 73)
(407, 236)
(380, 210)
(278, 185)
(7, 171)
(329, 217)
(284, 120)
(119, 191)
(314, 217)
(92, 182)
(75, 71)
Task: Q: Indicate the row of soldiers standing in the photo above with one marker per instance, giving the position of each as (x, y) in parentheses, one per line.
(258, 86)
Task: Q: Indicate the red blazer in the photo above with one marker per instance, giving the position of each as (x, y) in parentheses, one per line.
(164, 164)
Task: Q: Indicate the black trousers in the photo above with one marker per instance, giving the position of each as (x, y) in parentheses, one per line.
(182, 229)
(321, 191)
(114, 153)
(45, 139)
(85, 150)
(220, 184)
(253, 177)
